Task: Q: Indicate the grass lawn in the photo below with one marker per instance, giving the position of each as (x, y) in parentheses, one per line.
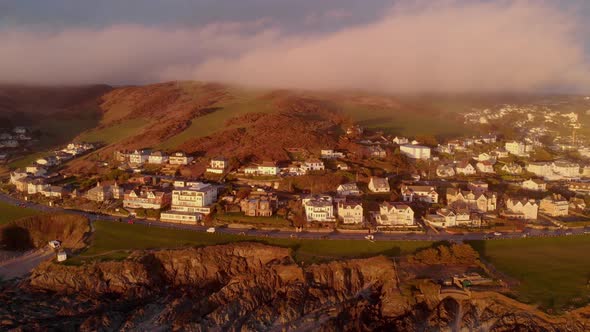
(115, 133)
(552, 272)
(27, 160)
(115, 240)
(241, 218)
(9, 212)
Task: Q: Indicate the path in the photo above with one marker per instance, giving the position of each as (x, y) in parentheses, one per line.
(22, 265)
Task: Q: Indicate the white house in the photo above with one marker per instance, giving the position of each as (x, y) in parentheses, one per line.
(516, 148)
(179, 158)
(348, 189)
(138, 157)
(512, 168)
(400, 140)
(379, 185)
(158, 158)
(534, 184)
(426, 194)
(542, 169)
(445, 171)
(464, 168)
(522, 208)
(331, 154)
(350, 212)
(566, 169)
(395, 214)
(485, 167)
(265, 168)
(319, 208)
(217, 165)
(415, 151)
(484, 157)
(313, 165)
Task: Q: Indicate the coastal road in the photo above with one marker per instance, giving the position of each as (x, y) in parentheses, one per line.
(378, 236)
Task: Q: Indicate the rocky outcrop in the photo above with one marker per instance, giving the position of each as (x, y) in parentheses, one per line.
(251, 287)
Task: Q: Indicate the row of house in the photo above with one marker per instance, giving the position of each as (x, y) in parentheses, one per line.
(146, 156)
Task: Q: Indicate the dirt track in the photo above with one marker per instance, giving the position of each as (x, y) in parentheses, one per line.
(20, 266)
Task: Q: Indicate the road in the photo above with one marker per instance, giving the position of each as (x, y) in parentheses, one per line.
(21, 265)
(429, 235)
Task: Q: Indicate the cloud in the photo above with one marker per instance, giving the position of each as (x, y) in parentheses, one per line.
(507, 46)
(450, 46)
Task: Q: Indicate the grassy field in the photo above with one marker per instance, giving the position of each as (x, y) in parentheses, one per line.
(114, 133)
(552, 272)
(238, 217)
(115, 240)
(27, 160)
(9, 213)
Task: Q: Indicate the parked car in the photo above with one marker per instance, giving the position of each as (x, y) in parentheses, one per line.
(211, 230)
(131, 221)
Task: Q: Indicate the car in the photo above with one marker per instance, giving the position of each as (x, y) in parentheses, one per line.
(131, 221)
(497, 234)
(370, 237)
(211, 230)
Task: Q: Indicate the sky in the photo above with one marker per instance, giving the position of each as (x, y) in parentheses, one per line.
(382, 45)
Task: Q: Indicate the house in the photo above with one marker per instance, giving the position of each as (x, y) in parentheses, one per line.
(62, 256)
(484, 157)
(500, 153)
(146, 198)
(52, 191)
(47, 161)
(400, 140)
(566, 169)
(331, 154)
(319, 208)
(341, 166)
(3, 157)
(444, 218)
(218, 165)
(265, 168)
(577, 204)
(395, 214)
(139, 157)
(485, 167)
(99, 193)
(348, 189)
(415, 151)
(20, 130)
(379, 185)
(376, 151)
(445, 171)
(350, 212)
(425, 194)
(534, 184)
(179, 158)
(475, 201)
(542, 169)
(9, 143)
(579, 187)
(313, 165)
(521, 209)
(554, 206)
(157, 158)
(586, 171)
(36, 170)
(355, 130)
(512, 168)
(516, 148)
(464, 168)
(197, 197)
(259, 204)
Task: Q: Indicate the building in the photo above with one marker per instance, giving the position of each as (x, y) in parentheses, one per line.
(445, 171)
(475, 201)
(146, 198)
(485, 167)
(400, 140)
(48, 161)
(266, 168)
(379, 185)
(376, 151)
(179, 158)
(157, 158)
(180, 217)
(478, 186)
(444, 218)
(197, 197)
(512, 168)
(395, 214)
(579, 187)
(319, 208)
(139, 157)
(534, 184)
(99, 193)
(331, 154)
(500, 153)
(415, 151)
(348, 189)
(217, 165)
(484, 157)
(554, 206)
(425, 194)
(541, 169)
(350, 212)
(516, 148)
(566, 169)
(465, 168)
(259, 206)
(521, 209)
(313, 165)
(52, 191)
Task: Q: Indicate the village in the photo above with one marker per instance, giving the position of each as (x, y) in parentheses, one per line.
(392, 184)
